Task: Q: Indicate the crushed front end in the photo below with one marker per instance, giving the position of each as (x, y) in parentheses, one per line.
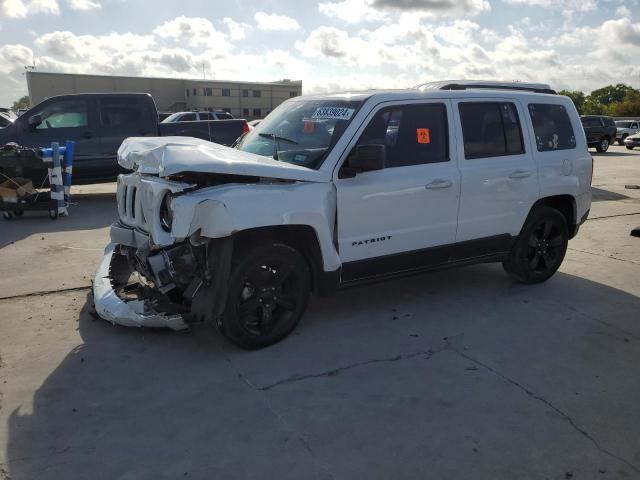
(149, 278)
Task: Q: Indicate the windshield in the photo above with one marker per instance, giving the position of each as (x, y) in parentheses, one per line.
(301, 131)
(623, 124)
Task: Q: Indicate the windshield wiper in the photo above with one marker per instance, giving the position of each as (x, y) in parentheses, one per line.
(275, 139)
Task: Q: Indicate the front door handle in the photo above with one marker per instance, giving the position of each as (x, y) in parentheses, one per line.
(520, 174)
(438, 183)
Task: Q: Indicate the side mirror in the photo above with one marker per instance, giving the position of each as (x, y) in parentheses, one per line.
(34, 120)
(368, 157)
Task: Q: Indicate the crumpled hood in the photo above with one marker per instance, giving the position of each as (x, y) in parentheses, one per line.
(165, 156)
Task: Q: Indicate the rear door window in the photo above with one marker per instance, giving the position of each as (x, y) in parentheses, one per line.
(224, 116)
(206, 116)
(552, 127)
(413, 134)
(120, 112)
(188, 117)
(490, 129)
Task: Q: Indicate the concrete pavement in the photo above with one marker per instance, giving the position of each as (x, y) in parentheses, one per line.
(454, 374)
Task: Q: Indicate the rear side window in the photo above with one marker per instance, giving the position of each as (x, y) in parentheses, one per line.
(591, 122)
(490, 129)
(552, 127)
(609, 122)
(120, 112)
(412, 134)
(224, 116)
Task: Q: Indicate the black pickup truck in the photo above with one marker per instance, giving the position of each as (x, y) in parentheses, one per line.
(98, 123)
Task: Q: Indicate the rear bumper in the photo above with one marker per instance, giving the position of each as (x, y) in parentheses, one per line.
(135, 313)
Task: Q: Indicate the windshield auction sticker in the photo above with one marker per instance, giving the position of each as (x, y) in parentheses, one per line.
(333, 113)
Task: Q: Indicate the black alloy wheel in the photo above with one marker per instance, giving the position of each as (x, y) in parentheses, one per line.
(545, 246)
(540, 248)
(268, 293)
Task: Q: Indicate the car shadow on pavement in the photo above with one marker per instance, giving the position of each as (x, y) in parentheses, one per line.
(612, 153)
(136, 404)
(86, 212)
(602, 195)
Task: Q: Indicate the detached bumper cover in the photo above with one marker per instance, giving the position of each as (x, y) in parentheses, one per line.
(135, 313)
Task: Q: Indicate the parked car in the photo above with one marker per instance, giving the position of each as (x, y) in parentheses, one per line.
(197, 116)
(98, 123)
(254, 123)
(330, 191)
(601, 131)
(632, 141)
(626, 128)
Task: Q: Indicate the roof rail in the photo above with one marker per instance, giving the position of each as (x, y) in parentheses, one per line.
(483, 84)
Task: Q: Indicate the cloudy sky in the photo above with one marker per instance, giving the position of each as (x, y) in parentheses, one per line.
(330, 45)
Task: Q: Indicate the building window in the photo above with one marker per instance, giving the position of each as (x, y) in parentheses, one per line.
(293, 94)
(257, 93)
(195, 92)
(245, 112)
(208, 91)
(226, 92)
(187, 92)
(257, 112)
(245, 93)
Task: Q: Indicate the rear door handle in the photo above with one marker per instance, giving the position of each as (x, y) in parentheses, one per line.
(438, 183)
(520, 174)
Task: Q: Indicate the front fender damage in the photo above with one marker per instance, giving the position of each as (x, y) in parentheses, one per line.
(172, 287)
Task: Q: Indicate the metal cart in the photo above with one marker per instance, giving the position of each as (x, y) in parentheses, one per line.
(53, 200)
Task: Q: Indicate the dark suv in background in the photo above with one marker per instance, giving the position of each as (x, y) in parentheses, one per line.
(600, 131)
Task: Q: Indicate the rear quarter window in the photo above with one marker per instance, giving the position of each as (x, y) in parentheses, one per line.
(552, 127)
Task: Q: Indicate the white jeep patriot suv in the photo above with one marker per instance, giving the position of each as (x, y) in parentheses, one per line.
(333, 190)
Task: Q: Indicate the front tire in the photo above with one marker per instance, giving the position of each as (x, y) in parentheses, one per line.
(622, 139)
(603, 146)
(540, 248)
(629, 147)
(269, 289)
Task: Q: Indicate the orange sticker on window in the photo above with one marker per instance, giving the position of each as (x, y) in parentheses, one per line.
(424, 135)
(309, 127)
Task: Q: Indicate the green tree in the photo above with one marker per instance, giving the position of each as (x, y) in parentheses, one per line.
(576, 96)
(592, 107)
(611, 94)
(23, 102)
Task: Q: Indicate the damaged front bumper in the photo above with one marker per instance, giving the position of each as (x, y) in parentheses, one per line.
(132, 313)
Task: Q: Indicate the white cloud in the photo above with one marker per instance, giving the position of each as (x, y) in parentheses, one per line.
(191, 31)
(275, 22)
(84, 5)
(355, 11)
(24, 8)
(564, 5)
(237, 31)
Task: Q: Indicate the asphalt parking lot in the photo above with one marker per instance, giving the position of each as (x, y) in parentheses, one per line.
(459, 374)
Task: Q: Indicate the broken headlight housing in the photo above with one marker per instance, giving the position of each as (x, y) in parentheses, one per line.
(166, 212)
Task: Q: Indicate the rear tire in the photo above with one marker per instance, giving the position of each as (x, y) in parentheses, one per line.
(622, 139)
(629, 147)
(603, 146)
(269, 289)
(540, 248)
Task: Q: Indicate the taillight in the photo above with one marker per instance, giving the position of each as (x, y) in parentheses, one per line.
(245, 127)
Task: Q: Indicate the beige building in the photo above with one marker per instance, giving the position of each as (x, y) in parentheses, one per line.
(248, 100)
